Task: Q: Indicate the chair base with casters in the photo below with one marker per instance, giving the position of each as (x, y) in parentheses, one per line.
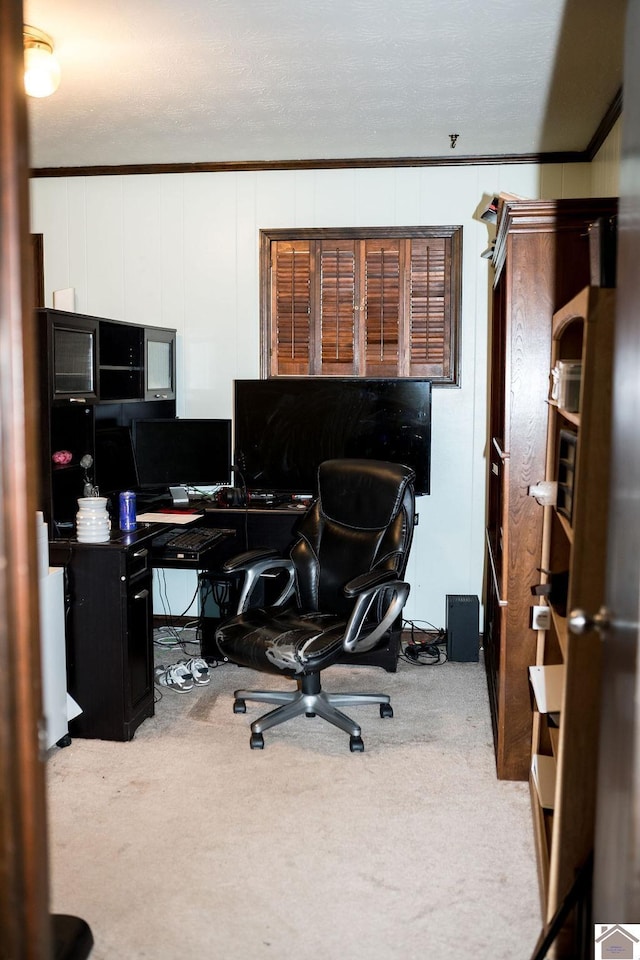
(341, 592)
(311, 700)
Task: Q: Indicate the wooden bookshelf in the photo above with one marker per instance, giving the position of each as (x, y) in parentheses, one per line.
(575, 543)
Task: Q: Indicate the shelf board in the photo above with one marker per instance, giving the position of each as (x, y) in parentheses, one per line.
(548, 684)
(566, 526)
(569, 416)
(121, 367)
(543, 773)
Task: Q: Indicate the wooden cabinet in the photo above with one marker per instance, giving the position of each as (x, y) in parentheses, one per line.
(109, 634)
(541, 260)
(94, 374)
(567, 666)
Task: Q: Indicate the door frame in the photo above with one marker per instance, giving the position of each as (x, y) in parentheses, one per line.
(616, 877)
(24, 911)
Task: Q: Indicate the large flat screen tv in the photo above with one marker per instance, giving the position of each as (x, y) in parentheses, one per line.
(285, 427)
(182, 452)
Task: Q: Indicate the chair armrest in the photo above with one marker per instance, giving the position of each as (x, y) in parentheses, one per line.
(393, 592)
(375, 578)
(255, 564)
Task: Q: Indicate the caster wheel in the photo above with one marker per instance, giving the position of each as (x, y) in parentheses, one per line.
(64, 741)
(356, 745)
(309, 714)
(239, 706)
(386, 710)
(257, 741)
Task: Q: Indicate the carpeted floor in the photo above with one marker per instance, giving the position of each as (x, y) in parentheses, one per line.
(184, 843)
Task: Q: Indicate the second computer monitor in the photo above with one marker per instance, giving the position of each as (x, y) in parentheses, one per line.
(182, 452)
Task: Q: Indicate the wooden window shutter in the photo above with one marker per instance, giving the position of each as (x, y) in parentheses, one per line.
(381, 308)
(291, 341)
(379, 302)
(428, 297)
(337, 281)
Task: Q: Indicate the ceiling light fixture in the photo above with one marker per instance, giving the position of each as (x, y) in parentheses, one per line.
(41, 69)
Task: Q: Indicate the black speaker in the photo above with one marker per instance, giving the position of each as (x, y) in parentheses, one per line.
(463, 627)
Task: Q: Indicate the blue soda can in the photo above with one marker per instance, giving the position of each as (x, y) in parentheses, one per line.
(128, 510)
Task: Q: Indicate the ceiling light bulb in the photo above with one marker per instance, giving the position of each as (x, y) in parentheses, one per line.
(41, 69)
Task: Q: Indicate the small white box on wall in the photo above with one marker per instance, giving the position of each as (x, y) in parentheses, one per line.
(65, 299)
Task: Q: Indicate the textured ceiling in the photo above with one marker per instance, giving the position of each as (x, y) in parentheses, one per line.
(205, 81)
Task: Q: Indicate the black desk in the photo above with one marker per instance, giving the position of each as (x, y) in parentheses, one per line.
(109, 625)
(109, 632)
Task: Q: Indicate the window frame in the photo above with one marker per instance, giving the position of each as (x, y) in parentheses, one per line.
(450, 233)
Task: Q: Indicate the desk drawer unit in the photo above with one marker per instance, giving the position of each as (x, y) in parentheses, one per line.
(109, 635)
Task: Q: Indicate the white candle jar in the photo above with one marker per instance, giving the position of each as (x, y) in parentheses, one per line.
(92, 520)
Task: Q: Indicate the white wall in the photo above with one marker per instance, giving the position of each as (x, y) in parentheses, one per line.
(605, 168)
(181, 250)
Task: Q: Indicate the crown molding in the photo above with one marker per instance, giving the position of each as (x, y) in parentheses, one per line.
(252, 166)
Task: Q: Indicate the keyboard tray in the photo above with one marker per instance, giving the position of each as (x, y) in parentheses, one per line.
(180, 544)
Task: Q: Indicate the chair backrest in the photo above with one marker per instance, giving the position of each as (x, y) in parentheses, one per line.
(362, 520)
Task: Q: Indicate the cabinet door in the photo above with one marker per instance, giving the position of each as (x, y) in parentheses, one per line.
(160, 364)
(73, 357)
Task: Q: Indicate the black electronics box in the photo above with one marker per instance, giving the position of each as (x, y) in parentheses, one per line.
(463, 627)
(603, 251)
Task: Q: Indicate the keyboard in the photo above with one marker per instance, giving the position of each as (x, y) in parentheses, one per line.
(188, 544)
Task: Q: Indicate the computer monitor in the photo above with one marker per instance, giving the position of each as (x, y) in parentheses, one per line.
(182, 452)
(284, 427)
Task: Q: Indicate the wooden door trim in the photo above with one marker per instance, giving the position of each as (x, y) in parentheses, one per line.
(24, 916)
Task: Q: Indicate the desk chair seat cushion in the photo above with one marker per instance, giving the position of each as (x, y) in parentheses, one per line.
(284, 641)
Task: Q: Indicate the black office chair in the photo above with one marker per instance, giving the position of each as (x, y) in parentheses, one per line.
(343, 591)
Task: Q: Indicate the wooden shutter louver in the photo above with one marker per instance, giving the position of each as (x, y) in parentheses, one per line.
(292, 308)
(383, 302)
(337, 274)
(382, 308)
(429, 320)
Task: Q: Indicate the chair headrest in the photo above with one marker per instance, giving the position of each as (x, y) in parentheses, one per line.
(362, 493)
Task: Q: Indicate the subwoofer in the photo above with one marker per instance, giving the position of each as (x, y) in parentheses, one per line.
(463, 627)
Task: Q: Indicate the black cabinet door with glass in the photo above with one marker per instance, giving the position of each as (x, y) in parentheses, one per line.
(159, 364)
(71, 348)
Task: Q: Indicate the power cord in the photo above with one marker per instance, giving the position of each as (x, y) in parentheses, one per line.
(426, 651)
(171, 635)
